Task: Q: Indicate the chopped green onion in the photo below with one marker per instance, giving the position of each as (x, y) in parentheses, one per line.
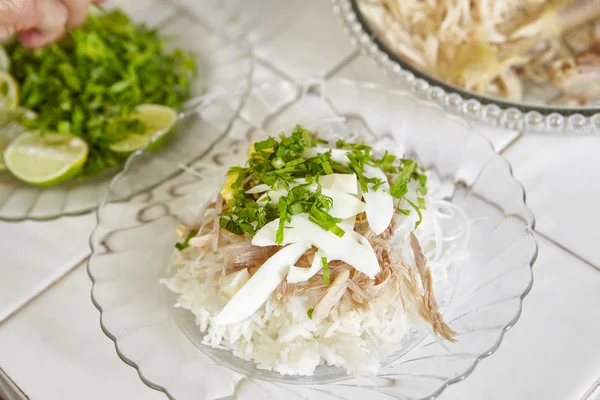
(310, 313)
(325, 270)
(282, 208)
(337, 231)
(296, 208)
(413, 205)
(400, 186)
(278, 163)
(295, 162)
(186, 242)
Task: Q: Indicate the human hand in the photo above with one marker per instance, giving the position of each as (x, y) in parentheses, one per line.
(40, 22)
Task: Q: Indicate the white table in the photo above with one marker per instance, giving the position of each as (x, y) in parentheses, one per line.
(51, 345)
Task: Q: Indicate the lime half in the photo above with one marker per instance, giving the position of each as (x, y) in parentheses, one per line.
(158, 121)
(4, 60)
(45, 159)
(9, 91)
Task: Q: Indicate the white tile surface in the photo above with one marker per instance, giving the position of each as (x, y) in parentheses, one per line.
(595, 394)
(300, 37)
(364, 69)
(561, 179)
(34, 254)
(55, 350)
(553, 352)
(55, 346)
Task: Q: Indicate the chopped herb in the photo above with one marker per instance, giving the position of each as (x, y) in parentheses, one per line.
(89, 82)
(282, 207)
(186, 242)
(325, 270)
(278, 163)
(310, 313)
(421, 203)
(400, 186)
(413, 205)
(281, 162)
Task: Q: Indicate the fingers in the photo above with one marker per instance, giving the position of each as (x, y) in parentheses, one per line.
(16, 15)
(40, 22)
(49, 26)
(77, 11)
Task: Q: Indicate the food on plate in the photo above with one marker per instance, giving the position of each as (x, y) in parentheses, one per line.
(319, 253)
(113, 84)
(494, 46)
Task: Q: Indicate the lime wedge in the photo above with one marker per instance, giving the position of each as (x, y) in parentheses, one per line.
(4, 60)
(45, 159)
(9, 91)
(158, 121)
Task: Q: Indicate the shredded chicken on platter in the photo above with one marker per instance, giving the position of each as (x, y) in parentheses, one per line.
(411, 286)
(493, 46)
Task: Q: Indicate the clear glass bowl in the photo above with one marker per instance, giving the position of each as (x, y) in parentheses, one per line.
(543, 115)
(132, 247)
(225, 65)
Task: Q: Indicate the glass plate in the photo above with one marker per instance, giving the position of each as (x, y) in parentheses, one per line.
(542, 110)
(225, 65)
(132, 247)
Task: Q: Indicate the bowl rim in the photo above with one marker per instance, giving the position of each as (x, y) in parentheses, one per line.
(512, 114)
(301, 88)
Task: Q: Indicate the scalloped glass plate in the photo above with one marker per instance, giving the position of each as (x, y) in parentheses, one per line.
(225, 65)
(541, 110)
(132, 247)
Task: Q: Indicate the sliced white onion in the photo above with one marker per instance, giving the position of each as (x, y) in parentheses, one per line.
(232, 283)
(296, 275)
(346, 183)
(350, 248)
(380, 203)
(261, 285)
(263, 187)
(344, 205)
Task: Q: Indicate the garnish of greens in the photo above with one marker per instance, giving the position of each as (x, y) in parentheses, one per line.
(278, 163)
(89, 83)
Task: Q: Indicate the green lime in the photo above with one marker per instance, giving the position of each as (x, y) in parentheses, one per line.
(45, 159)
(158, 121)
(4, 60)
(9, 91)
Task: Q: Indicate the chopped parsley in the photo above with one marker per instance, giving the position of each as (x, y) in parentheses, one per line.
(325, 270)
(287, 163)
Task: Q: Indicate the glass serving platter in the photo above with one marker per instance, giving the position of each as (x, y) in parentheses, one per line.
(225, 66)
(542, 109)
(132, 247)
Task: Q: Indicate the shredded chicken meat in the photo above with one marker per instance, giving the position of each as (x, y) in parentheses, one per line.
(395, 278)
(493, 46)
